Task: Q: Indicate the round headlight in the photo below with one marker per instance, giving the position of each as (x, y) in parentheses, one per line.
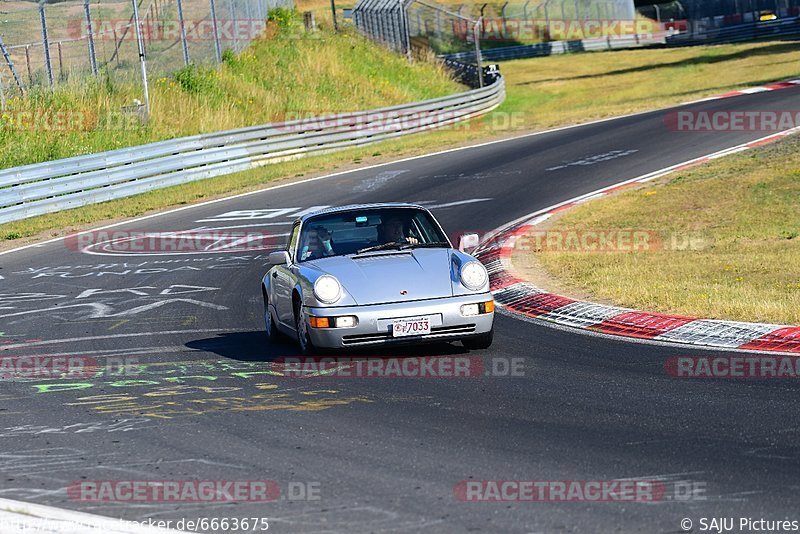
(327, 289)
(474, 275)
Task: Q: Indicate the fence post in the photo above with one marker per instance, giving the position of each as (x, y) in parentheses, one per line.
(92, 54)
(46, 44)
(232, 20)
(578, 18)
(61, 76)
(248, 15)
(184, 44)
(505, 20)
(28, 62)
(333, 12)
(2, 94)
(406, 29)
(217, 49)
(11, 67)
(478, 60)
(117, 44)
(142, 61)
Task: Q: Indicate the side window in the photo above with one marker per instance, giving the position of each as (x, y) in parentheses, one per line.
(293, 238)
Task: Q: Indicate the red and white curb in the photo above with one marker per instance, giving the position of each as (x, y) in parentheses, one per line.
(23, 517)
(519, 296)
(762, 88)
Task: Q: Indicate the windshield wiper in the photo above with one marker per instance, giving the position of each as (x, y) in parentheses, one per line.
(383, 246)
(434, 244)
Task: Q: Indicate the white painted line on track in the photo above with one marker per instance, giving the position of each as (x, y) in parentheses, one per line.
(112, 336)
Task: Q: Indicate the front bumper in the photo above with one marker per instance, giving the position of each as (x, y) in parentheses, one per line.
(374, 322)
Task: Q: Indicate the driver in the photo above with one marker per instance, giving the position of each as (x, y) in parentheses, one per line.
(317, 243)
(392, 231)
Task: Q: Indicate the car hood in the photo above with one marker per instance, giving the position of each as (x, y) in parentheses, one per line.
(392, 276)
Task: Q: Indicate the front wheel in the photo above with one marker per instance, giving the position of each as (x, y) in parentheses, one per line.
(269, 322)
(301, 325)
(482, 341)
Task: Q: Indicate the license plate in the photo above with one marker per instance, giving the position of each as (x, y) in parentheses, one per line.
(411, 327)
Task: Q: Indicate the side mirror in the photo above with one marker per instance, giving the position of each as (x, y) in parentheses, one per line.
(468, 242)
(279, 258)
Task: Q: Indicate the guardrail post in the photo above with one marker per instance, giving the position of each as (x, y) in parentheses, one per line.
(182, 24)
(46, 44)
(90, 37)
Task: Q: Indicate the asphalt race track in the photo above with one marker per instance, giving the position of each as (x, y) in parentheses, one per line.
(384, 455)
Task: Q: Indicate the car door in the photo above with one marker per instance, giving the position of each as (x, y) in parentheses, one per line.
(283, 281)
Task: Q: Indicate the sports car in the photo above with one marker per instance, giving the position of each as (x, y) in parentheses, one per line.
(375, 274)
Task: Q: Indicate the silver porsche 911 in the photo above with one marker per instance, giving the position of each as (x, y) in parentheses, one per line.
(376, 274)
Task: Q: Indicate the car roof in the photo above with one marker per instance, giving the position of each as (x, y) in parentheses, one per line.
(354, 207)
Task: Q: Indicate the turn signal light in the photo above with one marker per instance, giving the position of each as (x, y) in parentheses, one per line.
(468, 310)
(320, 322)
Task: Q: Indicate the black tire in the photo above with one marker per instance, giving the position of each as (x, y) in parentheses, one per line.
(269, 322)
(307, 347)
(480, 342)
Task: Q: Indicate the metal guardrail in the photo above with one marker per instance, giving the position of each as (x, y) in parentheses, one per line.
(53, 186)
(563, 47)
(706, 33)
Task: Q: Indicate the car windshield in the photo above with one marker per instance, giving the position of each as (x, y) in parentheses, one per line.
(361, 231)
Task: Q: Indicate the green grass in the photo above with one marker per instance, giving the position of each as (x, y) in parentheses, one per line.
(287, 74)
(746, 267)
(292, 72)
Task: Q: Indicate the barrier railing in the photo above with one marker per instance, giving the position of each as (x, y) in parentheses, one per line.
(53, 186)
(563, 47)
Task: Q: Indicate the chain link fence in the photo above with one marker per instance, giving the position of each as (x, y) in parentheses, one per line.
(50, 43)
(454, 29)
(458, 33)
(463, 34)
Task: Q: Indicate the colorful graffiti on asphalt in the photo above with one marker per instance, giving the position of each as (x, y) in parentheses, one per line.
(167, 390)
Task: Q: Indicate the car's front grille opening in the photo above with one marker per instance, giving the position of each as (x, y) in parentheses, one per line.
(387, 336)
